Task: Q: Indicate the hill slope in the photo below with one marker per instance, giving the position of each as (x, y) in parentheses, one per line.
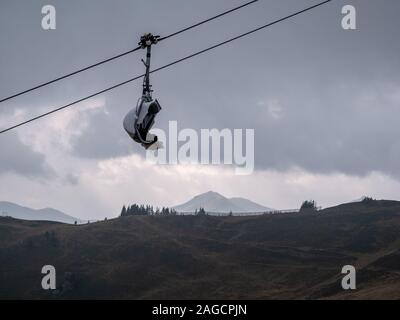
(286, 256)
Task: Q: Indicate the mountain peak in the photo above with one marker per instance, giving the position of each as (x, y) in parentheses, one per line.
(214, 202)
(211, 194)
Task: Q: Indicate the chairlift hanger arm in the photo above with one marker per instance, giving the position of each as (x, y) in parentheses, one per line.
(146, 41)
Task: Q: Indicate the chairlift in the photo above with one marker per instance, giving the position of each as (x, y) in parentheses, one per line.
(138, 122)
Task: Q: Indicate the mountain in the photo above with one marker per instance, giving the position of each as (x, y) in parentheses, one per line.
(280, 256)
(215, 202)
(48, 214)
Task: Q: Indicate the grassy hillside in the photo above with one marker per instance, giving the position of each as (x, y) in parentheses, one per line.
(296, 256)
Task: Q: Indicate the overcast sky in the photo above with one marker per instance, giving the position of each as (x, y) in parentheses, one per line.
(324, 102)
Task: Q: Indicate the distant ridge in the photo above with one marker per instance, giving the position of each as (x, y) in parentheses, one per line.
(215, 202)
(48, 214)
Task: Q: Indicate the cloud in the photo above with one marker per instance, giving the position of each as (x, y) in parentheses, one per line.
(43, 148)
(72, 179)
(346, 128)
(21, 159)
(103, 137)
(273, 108)
(350, 130)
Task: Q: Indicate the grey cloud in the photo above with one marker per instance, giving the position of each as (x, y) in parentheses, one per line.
(102, 138)
(21, 159)
(72, 179)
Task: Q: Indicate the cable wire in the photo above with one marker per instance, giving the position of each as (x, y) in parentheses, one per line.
(166, 66)
(123, 54)
(69, 75)
(207, 20)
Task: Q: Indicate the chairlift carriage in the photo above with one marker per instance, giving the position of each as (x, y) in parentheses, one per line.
(138, 122)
